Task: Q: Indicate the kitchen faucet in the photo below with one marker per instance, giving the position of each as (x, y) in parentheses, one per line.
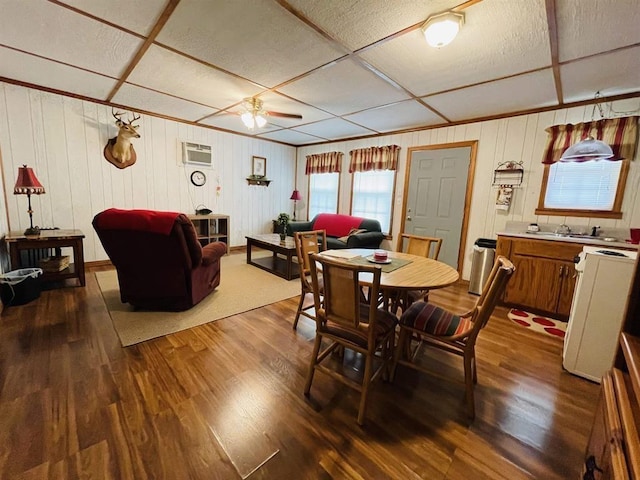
(563, 229)
(594, 231)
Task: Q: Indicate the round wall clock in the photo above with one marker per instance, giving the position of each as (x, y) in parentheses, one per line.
(198, 178)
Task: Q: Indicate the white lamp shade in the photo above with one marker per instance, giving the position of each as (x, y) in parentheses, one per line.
(587, 149)
(248, 120)
(440, 30)
(260, 121)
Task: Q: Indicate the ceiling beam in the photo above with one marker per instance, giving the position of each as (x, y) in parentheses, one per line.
(552, 24)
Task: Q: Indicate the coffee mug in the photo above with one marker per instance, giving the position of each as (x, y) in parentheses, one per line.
(635, 235)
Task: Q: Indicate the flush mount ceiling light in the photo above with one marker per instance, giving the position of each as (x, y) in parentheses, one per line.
(440, 30)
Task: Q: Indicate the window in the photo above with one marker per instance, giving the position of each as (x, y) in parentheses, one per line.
(323, 193)
(582, 189)
(372, 196)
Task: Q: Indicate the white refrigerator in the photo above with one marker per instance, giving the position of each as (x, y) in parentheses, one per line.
(597, 309)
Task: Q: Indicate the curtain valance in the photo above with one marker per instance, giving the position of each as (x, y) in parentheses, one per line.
(621, 134)
(374, 158)
(328, 162)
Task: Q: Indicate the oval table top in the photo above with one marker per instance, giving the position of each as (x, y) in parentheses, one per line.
(420, 274)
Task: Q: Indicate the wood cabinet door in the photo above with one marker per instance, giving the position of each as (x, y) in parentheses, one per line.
(566, 289)
(536, 283)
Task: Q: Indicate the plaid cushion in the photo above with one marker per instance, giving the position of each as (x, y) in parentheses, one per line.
(436, 321)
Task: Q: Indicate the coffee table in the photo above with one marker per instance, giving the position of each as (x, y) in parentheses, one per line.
(281, 263)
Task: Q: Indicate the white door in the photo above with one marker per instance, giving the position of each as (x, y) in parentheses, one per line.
(436, 197)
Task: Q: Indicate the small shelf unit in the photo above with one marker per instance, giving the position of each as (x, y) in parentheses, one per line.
(212, 228)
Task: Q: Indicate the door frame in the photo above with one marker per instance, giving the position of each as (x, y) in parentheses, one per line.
(467, 198)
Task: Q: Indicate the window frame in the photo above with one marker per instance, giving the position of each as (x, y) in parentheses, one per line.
(615, 212)
(391, 206)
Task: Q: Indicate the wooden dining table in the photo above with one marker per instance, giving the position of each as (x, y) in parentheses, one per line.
(420, 273)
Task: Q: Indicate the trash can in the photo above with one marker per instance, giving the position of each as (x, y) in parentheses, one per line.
(20, 286)
(484, 254)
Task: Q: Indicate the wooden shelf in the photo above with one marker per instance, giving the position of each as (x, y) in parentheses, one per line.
(258, 181)
(212, 228)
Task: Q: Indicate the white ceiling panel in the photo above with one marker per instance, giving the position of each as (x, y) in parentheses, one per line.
(509, 95)
(57, 33)
(139, 17)
(496, 40)
(260, 41)
(334, 128)
(398, 116)
(292, 137)
(611, 74)
(46, 73)
(344, 87)
(586, 27)
(348, 22)
(178, 75)
(143, 99)
(209, 55)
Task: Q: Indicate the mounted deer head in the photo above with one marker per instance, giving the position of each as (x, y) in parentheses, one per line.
(119, 150)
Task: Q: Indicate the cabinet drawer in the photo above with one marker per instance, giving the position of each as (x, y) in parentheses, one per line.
(546, 249)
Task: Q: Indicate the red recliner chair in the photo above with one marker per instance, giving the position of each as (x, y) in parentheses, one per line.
(160, 262)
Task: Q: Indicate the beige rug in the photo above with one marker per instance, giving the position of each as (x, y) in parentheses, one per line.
(243, 287)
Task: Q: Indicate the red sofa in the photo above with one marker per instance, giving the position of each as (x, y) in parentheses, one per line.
(339, 226)
(160, 262)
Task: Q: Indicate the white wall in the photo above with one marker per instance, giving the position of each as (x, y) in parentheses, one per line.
(62, 138)
(517, 139)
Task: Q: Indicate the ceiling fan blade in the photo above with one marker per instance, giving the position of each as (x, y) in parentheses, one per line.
(285, 115)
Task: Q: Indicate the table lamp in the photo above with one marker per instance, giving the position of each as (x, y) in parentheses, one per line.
(295, 196)
(27, 184)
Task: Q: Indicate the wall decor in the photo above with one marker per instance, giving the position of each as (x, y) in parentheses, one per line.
(259, 167)
(119, 150)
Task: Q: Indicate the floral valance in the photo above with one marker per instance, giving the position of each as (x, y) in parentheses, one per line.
(374, 158)
(621, 134)
(328, 162)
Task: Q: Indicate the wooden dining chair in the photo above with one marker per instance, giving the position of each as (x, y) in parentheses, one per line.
(428, 247)
(313, 241)
(344, 321)
(436, 327)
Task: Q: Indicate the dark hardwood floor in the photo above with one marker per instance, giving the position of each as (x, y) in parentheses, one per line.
(224, 401)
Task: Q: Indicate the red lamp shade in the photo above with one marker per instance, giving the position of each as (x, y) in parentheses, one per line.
(296, 195)
(27, 183)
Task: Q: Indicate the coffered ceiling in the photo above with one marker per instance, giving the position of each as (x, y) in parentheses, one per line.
(351, 68)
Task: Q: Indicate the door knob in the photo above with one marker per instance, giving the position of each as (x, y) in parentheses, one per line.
(409, 217)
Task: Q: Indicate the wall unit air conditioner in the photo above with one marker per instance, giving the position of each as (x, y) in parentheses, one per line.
(196, 154)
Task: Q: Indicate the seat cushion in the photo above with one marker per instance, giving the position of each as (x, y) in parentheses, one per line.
(433, 320)
(385, 323)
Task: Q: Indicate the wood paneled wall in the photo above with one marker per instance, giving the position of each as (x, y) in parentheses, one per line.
(520, 138)
(62, 138)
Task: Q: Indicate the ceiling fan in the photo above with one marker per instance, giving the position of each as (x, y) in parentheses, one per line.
(255, 115)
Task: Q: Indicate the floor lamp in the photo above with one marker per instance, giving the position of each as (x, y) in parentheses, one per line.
(27, 184)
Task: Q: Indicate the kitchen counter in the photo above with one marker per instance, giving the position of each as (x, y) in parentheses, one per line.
(582, 239)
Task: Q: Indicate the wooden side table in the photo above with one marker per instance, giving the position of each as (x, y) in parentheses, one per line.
(56, 239)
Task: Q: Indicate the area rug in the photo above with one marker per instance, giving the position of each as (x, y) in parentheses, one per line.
(242, 288)
(538, 323)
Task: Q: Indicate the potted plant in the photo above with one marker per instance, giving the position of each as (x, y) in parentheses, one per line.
(283, 221)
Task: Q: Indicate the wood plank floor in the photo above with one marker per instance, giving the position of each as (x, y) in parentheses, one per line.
(224, 401)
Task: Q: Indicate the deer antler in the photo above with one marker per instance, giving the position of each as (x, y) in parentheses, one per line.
(134, 119)
(117, 115)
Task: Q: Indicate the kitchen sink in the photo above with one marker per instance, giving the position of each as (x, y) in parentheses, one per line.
(582, 236)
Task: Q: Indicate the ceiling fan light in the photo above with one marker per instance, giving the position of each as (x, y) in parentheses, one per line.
(248, 119)
(260, 121)
(587, 149)
(440, 30)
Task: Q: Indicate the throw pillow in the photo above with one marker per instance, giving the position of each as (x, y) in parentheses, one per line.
(353, 231)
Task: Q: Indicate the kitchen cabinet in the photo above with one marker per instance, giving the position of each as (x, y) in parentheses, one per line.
(545, 276)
